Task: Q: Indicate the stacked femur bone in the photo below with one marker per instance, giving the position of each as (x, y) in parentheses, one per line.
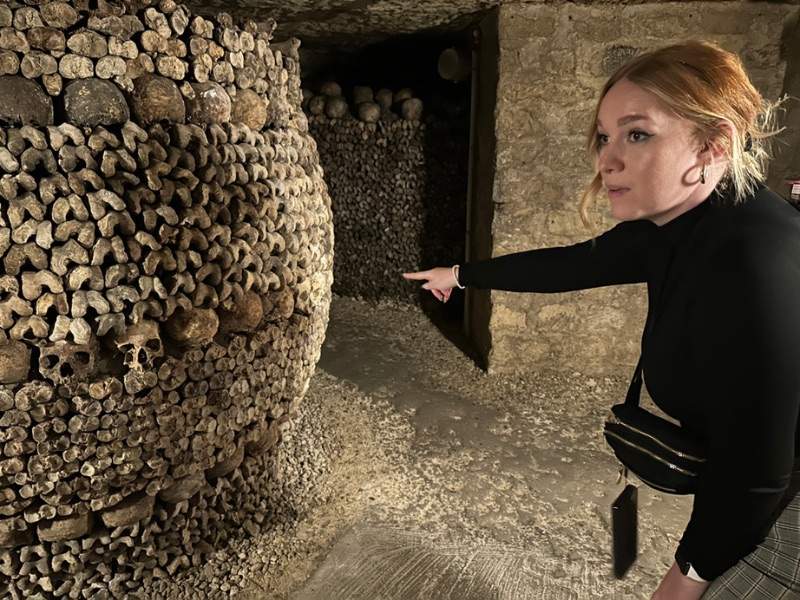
(167, 245)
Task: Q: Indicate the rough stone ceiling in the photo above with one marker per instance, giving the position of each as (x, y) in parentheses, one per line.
(351, 22)
(357, 23)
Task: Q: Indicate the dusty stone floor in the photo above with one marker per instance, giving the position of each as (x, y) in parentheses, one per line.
(411, 474)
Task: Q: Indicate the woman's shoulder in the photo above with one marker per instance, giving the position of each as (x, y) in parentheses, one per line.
(764, 223)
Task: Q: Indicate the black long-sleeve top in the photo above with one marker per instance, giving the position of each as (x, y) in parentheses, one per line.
(720, 354)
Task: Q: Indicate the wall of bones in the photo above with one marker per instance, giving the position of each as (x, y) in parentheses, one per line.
(166, 243)
(397, 180)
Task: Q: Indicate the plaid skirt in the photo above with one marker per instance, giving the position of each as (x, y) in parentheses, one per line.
(772, 570)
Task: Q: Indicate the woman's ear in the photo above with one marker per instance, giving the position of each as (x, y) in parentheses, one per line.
(717, 146)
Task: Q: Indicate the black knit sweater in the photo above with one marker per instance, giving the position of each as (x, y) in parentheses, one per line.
(721, 354)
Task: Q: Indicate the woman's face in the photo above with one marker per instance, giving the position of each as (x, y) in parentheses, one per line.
(653, 158)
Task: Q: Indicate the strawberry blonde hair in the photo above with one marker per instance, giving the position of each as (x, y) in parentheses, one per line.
(704, 83)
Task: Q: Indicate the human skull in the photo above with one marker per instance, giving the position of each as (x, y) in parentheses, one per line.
(141, 346)
(65, 363)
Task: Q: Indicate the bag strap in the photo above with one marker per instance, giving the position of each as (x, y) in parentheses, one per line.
(635, 388)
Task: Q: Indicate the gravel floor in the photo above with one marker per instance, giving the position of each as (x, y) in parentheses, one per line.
(400, 430)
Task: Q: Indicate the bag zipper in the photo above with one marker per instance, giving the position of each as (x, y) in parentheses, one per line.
(613, 419)
(648, 452)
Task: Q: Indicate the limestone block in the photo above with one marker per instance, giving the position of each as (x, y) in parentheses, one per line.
(505, 317)
(562, 314)
(597, 26)
(617, 55)
(520, 26)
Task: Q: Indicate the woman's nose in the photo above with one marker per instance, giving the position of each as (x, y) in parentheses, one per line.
(609, 160)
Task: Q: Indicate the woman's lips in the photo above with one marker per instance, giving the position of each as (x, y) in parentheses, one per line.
(617, 193)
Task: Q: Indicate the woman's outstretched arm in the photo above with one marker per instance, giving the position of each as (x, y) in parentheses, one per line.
(615, 257)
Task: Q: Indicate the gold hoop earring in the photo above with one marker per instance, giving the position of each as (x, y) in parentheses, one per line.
(703, 174)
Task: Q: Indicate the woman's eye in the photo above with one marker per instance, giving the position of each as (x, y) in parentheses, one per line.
(601, 137)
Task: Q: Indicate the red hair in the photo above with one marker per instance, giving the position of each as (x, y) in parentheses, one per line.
(704, 83)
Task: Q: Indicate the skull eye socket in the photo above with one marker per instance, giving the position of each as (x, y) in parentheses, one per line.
(50, 361)
(82, 357)
(66, 370)
(141, 356)
(154, 345)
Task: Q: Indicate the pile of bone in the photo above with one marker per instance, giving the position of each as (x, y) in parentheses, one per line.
(56, 44)
(398, 194)
(367, 106)
(166, 249)
(95, 552)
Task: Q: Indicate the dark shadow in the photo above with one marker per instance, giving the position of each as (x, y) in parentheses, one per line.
(446, 171)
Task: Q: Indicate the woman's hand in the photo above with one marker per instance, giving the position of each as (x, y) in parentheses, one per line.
(439, 281)
(676, 586)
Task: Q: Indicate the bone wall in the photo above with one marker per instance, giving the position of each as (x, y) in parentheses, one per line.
(553, 61)
(397, 180)
(166, 242)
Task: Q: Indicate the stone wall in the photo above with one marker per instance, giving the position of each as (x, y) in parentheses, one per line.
(786, 165)
(553, 61)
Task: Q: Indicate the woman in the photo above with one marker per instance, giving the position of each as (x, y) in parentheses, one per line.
(678, 141)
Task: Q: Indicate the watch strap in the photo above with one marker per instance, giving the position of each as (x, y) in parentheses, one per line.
(692, 574)
(687, 568)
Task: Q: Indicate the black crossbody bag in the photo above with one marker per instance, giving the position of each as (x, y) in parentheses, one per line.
(659, 452)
